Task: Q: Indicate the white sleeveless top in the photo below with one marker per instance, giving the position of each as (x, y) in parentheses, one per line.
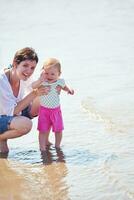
(7, 99)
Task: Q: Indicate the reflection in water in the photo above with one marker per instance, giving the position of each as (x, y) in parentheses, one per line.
(48, 157)
(47, 181)
(3, 155)
(55, 172)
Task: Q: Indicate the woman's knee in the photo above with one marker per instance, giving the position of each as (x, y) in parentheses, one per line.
(26, 128)
(22, 124)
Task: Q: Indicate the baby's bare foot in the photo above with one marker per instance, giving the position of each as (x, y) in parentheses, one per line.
(49, 143)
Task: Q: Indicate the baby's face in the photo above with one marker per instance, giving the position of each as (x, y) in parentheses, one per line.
(52, 74)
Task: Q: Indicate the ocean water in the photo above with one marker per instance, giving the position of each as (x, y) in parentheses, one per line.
(94, 41)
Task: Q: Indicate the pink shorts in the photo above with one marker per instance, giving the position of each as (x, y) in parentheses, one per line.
(50, 118)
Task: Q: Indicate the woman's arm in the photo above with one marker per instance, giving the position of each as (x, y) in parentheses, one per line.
(29, 98)
(40, 80)
(36, 84)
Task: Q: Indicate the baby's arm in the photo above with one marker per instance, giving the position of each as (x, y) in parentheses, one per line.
(68, 90)
(62, 86)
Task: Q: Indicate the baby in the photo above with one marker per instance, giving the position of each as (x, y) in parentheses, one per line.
(50, 115)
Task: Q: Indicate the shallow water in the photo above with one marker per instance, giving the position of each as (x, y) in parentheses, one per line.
(94, 41)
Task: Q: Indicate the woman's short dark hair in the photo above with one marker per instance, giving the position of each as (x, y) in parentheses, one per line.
(26, 53)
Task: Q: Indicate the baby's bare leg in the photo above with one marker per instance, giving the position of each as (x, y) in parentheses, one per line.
(43, 140)
(58, 138)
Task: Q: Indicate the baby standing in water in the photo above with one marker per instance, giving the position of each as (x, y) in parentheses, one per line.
(50, 115)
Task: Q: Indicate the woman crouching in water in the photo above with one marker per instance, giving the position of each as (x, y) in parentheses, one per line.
(16, 108)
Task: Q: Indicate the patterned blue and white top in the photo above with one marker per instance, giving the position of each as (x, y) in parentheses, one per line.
(52, 99)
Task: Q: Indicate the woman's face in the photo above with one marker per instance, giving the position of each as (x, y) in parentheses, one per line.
(25, 69)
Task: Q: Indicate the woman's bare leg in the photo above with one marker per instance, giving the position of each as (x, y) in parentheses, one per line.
(19, 126)
(3, 146)
(58, 138)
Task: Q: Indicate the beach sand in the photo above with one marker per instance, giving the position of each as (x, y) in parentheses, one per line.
(10, 181)
(19, 181)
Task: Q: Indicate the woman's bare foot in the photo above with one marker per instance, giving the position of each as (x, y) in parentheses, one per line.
(3, 146)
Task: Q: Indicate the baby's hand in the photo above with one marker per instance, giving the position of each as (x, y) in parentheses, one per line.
(70, 91)
(58, 88)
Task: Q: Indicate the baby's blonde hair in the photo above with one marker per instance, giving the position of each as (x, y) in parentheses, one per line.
(52, 62)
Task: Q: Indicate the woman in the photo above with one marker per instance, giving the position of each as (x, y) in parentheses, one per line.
(16, 108)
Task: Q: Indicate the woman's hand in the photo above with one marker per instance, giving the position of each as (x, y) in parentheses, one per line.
(42, 90)
(42, 76)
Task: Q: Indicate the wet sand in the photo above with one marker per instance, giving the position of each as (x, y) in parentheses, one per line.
(10, 181)
(20, 181)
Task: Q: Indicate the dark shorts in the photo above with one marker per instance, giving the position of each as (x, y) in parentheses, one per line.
(6, 120)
